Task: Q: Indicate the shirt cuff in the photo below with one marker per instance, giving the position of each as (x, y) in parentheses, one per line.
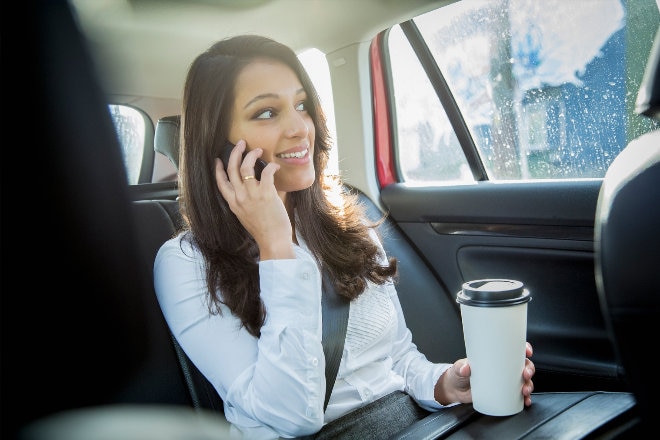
(291, 291)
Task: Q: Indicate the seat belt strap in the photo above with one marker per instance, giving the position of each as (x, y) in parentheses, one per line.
(335, 320)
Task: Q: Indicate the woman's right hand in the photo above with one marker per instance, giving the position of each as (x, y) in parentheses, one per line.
(256, 204)
(454, 384)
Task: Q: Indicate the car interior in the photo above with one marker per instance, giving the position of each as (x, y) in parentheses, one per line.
(88, 353)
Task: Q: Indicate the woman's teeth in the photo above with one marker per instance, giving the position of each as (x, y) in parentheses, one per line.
(296, 155)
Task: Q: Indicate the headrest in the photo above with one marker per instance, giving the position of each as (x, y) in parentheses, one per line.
(166, 138)
(648, 97)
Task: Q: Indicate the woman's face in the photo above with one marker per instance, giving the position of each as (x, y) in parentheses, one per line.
(270, 113)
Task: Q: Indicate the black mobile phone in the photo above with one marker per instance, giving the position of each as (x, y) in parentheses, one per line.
(259, 165)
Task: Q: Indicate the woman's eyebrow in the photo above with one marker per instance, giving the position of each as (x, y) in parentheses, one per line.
(300, 91)
(259, 97)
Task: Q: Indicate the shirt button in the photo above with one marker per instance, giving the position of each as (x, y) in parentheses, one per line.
(315, 361)
(305, 276)
(311, 411)
(367, 394)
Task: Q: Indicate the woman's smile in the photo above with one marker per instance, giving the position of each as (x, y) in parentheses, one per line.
(299, 154)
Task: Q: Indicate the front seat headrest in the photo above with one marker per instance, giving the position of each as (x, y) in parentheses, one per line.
(166, 138)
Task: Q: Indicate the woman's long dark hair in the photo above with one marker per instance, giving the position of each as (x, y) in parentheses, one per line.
(336, 233)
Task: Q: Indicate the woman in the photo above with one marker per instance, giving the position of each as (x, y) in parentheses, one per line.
(240, 286)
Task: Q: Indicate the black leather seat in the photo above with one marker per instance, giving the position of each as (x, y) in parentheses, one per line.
(627, 244)
(156, 222)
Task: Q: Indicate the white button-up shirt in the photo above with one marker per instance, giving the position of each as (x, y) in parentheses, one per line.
(274, 386)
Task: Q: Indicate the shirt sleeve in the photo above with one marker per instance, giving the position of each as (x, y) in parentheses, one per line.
(276, 381)
(420, 375)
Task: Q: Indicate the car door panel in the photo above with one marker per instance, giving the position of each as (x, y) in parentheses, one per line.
(538, 232)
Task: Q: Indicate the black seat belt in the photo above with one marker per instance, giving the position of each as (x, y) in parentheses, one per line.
(335, 320)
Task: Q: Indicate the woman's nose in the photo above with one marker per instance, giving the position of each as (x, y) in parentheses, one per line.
(298, 124)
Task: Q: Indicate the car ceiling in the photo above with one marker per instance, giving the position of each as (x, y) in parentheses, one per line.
(144, 47)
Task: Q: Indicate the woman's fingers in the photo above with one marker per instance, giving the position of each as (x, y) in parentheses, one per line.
(528, 386)
(464, 368)
(239, 170)
(221, 179)
(247, 166)
(232, 162)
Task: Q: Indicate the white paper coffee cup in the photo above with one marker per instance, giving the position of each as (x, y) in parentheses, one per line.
(494, 317)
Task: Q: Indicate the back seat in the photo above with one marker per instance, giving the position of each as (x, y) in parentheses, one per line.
(170, 377)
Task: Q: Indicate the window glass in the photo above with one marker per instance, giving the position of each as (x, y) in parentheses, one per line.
(428, 149)
(545, 93)
(130, 127)
(317, 68)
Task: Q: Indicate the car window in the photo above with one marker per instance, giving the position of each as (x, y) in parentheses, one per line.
(131, 126)
(544, 93)
(317, 67)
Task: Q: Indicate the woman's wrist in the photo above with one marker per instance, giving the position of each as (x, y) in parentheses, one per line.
(274, 251)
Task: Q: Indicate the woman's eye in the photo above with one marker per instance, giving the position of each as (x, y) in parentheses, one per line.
(302, 107)
(266, 114)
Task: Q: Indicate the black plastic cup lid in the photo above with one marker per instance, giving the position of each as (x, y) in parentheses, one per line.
(493, 292)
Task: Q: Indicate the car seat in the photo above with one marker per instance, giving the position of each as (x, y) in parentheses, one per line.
(80, 330)
(627, 246)
(166, 138)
